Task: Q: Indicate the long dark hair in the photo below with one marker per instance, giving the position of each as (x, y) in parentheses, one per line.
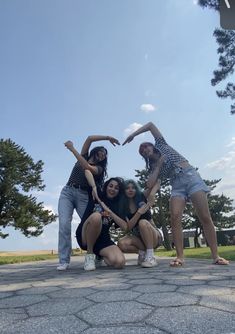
(103, 164)
(148, 161)
(124, 202)
(113, 203)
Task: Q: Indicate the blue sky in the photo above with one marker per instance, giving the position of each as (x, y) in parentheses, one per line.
(74, 68)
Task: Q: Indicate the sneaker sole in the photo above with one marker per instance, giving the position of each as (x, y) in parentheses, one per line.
(90, 269)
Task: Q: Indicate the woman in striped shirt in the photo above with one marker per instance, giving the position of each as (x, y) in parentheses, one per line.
(186, 184)
(75, 194)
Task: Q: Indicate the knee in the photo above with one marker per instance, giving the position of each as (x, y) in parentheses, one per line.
(117, 261)
(95, 219)
(143, 224)
(123, 244)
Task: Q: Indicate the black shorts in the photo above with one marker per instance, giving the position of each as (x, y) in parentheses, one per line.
(102, 242)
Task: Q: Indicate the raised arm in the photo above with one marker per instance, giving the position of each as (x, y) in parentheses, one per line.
(150, 194)
(79, 157)
(147, 127)
(153, 176)
(91, 139)
(91, 182)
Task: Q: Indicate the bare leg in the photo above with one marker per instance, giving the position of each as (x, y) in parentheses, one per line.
(148, 233)
(113, 256)
(200, 202)
(91, 231)
(177, 205)
(131, 244)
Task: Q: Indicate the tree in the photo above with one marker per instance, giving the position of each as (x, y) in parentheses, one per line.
(221, 209)
(226, 50)
(18, 175)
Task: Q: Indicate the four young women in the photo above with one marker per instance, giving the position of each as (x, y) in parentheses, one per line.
(122, 204)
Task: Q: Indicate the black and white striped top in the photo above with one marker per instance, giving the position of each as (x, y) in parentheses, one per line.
(172, 158)
(77, 177)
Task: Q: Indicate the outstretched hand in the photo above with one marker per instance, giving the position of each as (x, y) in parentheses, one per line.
(114, 141)
(104, 206)
(68, 144)
(128, 140)
(144, 208)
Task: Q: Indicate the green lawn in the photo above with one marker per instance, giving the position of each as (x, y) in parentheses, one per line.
(228, 252)
(9, 258)
(25, 258)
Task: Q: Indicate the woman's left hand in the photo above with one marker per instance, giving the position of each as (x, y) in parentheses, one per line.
(113, 141)
(104, 206)
(95, 195)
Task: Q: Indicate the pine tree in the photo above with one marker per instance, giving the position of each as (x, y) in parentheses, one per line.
(226, 50)
(18, 176)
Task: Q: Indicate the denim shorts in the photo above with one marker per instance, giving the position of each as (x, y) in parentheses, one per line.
(187, 181)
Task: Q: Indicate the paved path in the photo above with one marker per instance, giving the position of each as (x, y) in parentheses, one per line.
(198, 298)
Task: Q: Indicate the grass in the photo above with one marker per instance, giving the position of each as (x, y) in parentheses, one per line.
(228, 252)
(18, 257)
(25, 258)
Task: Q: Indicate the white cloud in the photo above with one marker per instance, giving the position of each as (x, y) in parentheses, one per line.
(147, 108)
(232, 143)
(228, 161)
(226, 167)
(50, 194)
(195, 2)
(132, 127)
(227, 187)
(50, 208)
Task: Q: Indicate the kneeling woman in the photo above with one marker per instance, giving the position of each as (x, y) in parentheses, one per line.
(93, 232)
(143, 236)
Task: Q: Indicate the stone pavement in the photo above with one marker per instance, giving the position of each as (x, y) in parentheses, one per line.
(37, 299)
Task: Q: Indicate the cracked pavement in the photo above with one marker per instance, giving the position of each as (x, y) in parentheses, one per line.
(197, 298)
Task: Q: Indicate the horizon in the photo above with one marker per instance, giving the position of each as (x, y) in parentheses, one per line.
(77, 68)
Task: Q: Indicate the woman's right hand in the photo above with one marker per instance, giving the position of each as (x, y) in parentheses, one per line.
(68, 144)
(143, 209)
(128, 140)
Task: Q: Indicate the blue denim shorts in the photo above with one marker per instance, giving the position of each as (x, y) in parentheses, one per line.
(187, 181)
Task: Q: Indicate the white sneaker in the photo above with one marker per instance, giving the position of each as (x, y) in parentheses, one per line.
(63, 266)
(89, 262)
(149, 262)
(98, 261)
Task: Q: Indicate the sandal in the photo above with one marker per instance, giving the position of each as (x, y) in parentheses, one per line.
(176, 263)
(221, 261)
